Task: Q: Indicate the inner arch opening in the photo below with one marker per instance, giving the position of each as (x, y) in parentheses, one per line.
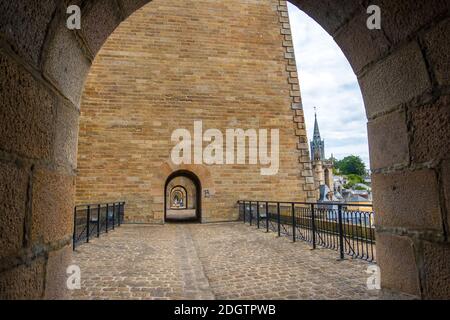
(182, 197)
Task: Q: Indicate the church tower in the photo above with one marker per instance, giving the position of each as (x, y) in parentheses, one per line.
(317, 144)
(322, 168)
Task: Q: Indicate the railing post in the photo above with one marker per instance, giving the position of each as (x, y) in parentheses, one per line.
(251, 213)
(122, 214)
(257, 213)
(293, 223)
(114, 216)
(74, 238)
(267, 217)
(107, 217)
(279, 219)
(88, 223)
(239, 210)
(118, 214)
(313, 225)
(118, 219)
(341, 233)
(98, 221)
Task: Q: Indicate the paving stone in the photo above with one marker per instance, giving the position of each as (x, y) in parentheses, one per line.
(214, 261)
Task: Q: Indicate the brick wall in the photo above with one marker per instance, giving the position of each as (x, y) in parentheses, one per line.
(228, 63)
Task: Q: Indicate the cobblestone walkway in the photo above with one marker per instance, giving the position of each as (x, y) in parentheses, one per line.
(216, 261)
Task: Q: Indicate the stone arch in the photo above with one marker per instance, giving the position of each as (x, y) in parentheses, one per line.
(327, 177)
(180, 192)
(195, 201)
(166, 170)
(403, 72)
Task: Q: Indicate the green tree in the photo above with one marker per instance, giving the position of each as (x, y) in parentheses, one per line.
(353, 179)
(351, 165)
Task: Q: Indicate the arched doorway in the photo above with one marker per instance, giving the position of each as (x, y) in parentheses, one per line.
(327, 178)
(182, 197)
(178, 197)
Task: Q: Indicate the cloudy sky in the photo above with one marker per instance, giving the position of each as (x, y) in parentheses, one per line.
(327, 82)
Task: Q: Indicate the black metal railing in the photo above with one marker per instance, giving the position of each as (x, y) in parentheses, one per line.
(92, 220)
(346, 228)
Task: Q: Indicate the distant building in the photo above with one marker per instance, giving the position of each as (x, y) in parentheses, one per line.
(322, 168)
(330, 187)
(317, 144)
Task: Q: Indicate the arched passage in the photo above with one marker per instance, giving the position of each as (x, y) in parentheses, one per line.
(183, 196)
(403, 72)
(178, 197)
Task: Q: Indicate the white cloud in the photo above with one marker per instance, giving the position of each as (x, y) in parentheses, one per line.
(327, 82)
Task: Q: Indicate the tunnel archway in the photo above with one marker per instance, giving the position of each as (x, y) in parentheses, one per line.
(178, 197)
(403, 72)
(183, 197)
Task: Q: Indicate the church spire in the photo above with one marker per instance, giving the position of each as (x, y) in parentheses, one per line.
(316, 129)
(317, 144)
